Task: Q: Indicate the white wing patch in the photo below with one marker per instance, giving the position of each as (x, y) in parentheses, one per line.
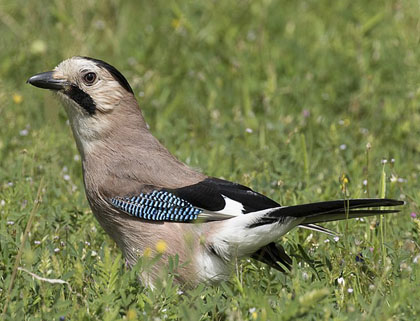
(232, 208)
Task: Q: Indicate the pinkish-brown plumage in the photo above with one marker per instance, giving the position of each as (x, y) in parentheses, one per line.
(121, 158)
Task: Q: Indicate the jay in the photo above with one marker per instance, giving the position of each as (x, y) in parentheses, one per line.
(142, 195)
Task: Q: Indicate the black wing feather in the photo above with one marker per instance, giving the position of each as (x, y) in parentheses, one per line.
(272, 254)
(208, 195)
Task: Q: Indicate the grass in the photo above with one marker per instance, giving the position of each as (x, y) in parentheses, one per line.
(286, 97)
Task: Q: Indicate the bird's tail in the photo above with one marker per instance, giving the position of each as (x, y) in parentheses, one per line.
(254, 233)
(311, 214)
(338, 210)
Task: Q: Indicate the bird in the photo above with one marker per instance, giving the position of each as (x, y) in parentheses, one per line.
(150, 203)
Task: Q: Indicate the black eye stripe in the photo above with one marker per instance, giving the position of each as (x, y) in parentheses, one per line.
(82, 99)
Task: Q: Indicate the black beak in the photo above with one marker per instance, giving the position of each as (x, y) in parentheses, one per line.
(46, 80)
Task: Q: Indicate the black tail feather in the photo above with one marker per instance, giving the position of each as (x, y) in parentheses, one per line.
(317, 228)
(273, 254)
(334, 207)
(342, 215)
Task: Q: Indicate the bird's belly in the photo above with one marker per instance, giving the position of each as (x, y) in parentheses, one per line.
(212, 268)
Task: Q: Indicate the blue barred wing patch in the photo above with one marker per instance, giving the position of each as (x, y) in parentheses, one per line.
(157, 206)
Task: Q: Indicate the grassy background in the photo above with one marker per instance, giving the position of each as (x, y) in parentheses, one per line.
(245, 90)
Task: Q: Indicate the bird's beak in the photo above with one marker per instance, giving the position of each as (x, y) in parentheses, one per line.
(47, 81)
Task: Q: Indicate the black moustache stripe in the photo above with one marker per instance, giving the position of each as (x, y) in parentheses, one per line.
(82, 99)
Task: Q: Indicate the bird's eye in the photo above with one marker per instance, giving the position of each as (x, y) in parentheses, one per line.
(89, 78)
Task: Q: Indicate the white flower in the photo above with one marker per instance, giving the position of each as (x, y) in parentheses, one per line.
(341, 281)
(24, 132)
(350, 290)
(251, 36)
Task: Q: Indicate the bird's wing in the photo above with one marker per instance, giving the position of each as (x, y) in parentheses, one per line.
(216, 199)
(221, 199)
(159, 205)
(211, 199)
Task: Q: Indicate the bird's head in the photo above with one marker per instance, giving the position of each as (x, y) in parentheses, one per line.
(97, 97)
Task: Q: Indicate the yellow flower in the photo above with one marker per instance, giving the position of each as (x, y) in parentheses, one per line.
(17, 99)
(147, 252)
(176, 23)
(344, 180)
(131, 314)
(161, 246)
(254, 315)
